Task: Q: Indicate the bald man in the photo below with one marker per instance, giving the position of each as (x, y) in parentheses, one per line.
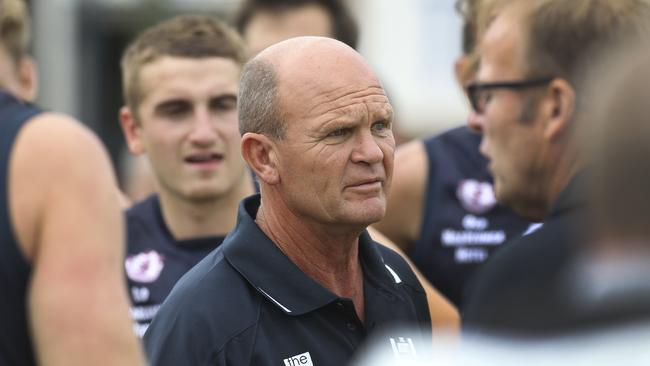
(299, 281)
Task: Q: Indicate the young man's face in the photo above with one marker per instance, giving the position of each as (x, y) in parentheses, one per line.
(188, 126)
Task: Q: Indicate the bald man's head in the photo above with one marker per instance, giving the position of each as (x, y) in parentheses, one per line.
(291, 73)
(317, 132)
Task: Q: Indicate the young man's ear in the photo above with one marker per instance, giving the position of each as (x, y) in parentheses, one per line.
(27, 79)
(132, 131)
(259, 153)
(559, 108)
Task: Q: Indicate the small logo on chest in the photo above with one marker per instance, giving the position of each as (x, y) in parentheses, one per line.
(303, 359)
(476, 197)
(144, 267)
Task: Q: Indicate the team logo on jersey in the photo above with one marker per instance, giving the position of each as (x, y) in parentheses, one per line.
(476, 197)
(144, 267)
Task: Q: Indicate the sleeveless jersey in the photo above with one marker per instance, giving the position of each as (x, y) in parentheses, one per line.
(15, 271)
(462, 223)
(155, 261)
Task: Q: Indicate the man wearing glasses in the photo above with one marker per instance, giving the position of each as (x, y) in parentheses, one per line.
(441, 207)
(532, 59)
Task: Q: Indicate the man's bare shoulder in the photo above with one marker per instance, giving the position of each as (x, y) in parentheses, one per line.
(57, 149)
(54, 155)
(59, 135)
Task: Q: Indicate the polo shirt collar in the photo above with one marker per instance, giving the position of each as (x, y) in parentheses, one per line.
(276, 277)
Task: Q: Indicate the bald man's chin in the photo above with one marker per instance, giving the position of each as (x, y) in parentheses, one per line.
(367, 211)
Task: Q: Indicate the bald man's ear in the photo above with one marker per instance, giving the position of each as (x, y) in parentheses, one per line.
(259, 152)
(559, 108)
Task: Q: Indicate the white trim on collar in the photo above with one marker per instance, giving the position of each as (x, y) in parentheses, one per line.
(395, 276)
(274, 300)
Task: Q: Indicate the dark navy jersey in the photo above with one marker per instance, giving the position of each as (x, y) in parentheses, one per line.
(15, 344)
(462, 223)
(155, 260)
(247, 303)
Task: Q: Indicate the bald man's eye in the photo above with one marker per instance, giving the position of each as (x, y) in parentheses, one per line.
(380, 126)
(339, 132)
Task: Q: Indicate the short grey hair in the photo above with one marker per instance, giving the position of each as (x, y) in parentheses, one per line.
(258, 102)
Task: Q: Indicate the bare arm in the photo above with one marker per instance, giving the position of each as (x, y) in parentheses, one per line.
(444, 314)
(70, 227)
(402, 222)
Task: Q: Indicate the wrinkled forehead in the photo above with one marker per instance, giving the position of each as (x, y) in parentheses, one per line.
(314, 79)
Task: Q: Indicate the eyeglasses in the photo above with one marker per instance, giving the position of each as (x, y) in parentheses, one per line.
(478, 92)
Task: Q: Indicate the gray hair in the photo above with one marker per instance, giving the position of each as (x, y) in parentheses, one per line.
(258, 102)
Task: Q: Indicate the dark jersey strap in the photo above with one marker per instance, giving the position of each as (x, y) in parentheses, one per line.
(15, 346)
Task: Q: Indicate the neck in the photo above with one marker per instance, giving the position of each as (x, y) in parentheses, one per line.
(565, 169)
(188, 219)
(548, 180)
(325, 254)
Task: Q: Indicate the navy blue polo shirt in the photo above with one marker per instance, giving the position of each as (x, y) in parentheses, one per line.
(246, 303)
(155, 260)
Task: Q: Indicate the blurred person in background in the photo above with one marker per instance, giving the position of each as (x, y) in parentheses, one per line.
(533, 58)
(181, 79)
(299, 280)
(441, 210)
(266, 22)
(61, 236)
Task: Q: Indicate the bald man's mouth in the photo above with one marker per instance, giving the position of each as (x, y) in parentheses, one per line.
(366, 186)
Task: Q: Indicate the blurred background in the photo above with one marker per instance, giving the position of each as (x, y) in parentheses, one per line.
(411, 44)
